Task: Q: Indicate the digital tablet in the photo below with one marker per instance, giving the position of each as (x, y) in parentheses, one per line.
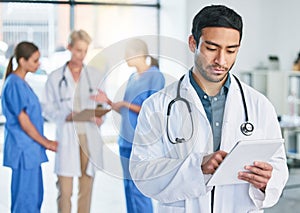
(242, 154)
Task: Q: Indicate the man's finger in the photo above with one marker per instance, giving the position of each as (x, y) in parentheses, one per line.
(263, 165)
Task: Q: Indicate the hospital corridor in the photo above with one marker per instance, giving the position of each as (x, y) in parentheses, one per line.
(149, 106)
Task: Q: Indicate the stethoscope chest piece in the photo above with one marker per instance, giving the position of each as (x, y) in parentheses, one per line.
(247, 128)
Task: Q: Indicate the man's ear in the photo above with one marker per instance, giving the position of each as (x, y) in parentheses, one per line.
(192, 43)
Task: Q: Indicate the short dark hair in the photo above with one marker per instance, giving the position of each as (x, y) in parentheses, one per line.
(216, 16)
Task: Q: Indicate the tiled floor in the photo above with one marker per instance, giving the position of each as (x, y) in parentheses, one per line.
(108, 193)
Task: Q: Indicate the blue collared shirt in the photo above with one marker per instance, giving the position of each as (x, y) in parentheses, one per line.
(214, 108)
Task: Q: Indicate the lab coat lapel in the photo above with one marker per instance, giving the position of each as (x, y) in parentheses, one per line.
(191, 95)
(233, 117)
(70, 80)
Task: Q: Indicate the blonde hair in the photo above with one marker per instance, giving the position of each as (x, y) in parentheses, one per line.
(78, 35)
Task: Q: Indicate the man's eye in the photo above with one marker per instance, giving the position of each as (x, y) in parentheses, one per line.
(231, 51)
(211, 49)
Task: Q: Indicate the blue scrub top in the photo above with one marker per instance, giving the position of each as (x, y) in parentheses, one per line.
(139, 88)
(17, 96)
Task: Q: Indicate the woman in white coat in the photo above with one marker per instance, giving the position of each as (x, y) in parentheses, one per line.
(174, 170)
(79, 154)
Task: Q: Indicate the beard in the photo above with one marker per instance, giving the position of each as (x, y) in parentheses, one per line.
(210, 76)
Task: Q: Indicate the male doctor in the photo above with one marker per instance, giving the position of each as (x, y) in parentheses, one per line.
(173, 156)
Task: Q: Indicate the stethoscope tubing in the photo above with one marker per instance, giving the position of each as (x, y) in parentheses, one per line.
(64, 80)
(246, 128)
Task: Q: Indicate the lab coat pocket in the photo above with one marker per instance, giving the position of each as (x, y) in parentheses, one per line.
(169, 209)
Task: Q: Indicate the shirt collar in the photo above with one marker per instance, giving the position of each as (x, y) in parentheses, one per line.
(199, 90)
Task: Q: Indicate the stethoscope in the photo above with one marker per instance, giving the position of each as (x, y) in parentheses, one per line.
(64, 81)
(246, 127)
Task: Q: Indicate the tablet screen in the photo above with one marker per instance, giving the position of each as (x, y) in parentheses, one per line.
(242, 154)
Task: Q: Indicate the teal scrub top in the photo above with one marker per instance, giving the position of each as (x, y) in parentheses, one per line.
(17, 95)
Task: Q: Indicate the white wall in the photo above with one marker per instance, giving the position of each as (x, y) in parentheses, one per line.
(173, 19)
(270, 27)
(176, 58)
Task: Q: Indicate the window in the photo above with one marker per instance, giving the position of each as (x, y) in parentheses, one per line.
(49, 24)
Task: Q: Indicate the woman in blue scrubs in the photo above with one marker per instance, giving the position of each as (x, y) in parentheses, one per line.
(143, 83)
(24, 142)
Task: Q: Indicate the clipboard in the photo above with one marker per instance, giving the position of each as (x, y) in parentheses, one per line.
(242, 154)
(87, 114)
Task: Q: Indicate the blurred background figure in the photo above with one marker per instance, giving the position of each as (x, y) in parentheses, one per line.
(24, 142)
(296, 65)
(3, 50)
(142, 84)
(67, 92)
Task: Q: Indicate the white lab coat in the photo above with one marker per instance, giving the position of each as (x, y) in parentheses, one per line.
(67, 160)
(172, 174)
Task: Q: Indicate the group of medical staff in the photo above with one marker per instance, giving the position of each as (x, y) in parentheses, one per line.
(171, 139)
(78, 146)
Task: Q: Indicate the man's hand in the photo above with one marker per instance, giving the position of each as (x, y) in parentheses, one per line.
(258, 174)
(211, 162)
